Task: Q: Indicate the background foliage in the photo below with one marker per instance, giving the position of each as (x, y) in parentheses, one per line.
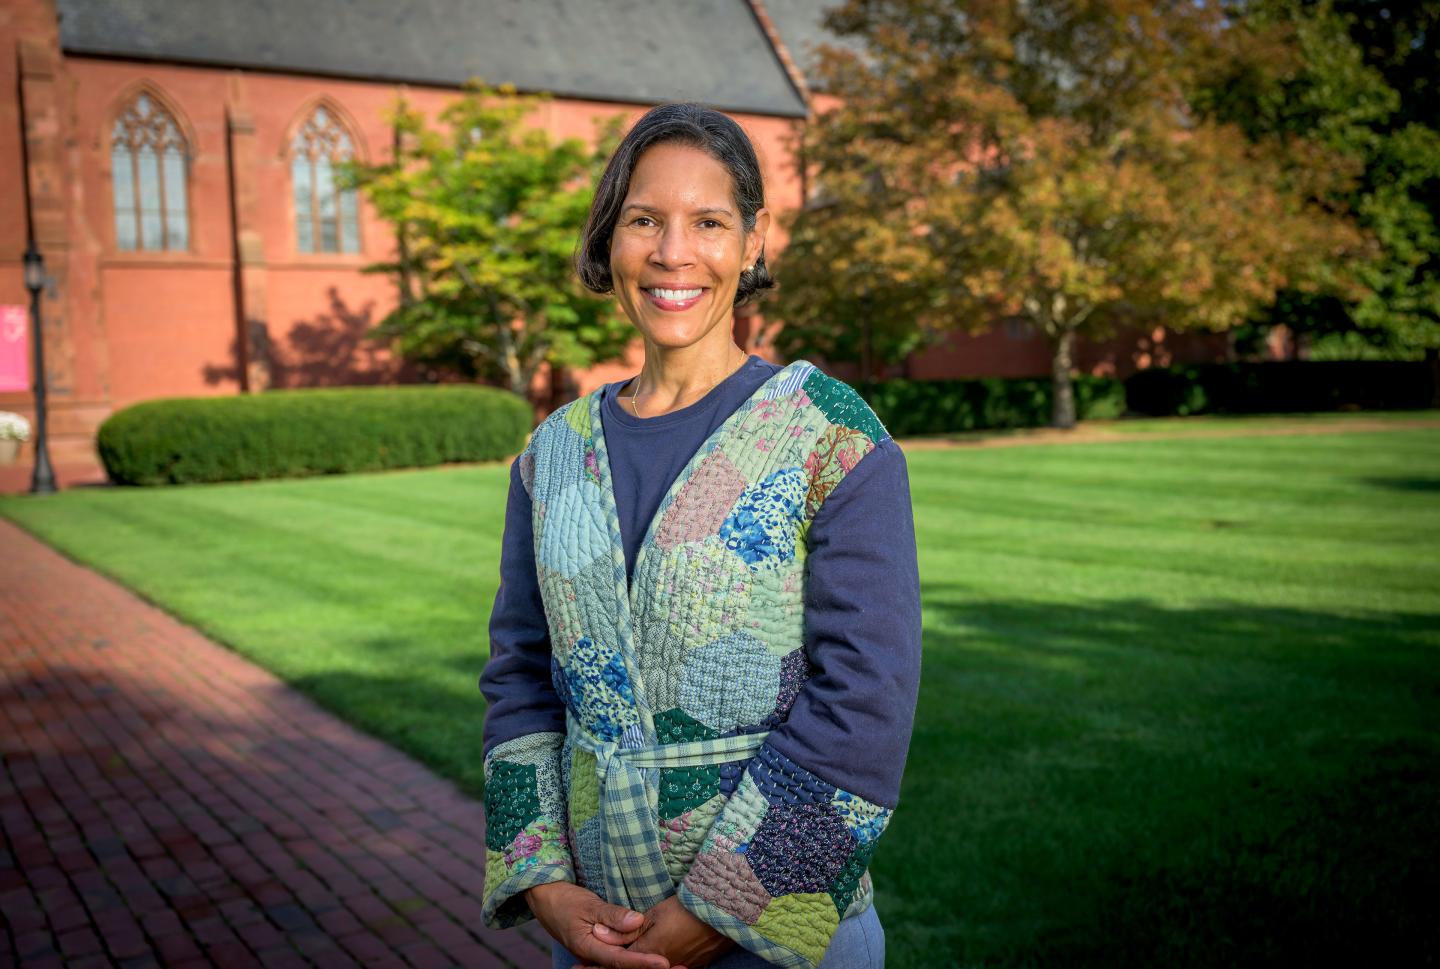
(1359, 78)
(1047, 161)
(488, 209)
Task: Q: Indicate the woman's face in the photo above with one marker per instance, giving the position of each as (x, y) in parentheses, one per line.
(679, 246)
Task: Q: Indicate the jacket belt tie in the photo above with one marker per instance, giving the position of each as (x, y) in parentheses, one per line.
(635, 873)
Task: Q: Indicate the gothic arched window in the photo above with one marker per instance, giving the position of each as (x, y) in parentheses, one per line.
(326, 217)
(148, 162)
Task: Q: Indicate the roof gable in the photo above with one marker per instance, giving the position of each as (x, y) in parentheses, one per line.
(801, 26)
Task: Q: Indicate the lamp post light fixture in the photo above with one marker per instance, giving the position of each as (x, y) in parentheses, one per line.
(42, 482)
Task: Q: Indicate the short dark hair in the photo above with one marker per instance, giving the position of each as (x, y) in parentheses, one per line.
(687, 124)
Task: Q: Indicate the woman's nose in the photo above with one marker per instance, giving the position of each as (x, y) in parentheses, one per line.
(673, 248)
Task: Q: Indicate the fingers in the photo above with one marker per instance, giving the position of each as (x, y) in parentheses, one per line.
(597, 953)
(617, 925)
(609, 936)
(620, 918)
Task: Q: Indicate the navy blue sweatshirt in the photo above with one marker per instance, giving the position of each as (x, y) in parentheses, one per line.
(851, 723)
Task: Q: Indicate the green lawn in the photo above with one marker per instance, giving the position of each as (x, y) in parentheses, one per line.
(1179, 704)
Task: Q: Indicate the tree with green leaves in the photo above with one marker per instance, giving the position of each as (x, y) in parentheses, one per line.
(1358, 77)
(487, 211)
(1042, 160)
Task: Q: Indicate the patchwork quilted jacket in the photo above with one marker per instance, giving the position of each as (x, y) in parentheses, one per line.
(663, 782)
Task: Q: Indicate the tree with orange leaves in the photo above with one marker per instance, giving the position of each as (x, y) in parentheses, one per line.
(998, 158)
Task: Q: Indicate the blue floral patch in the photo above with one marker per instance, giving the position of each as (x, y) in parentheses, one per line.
(560, 679)
(597, 689)
(615, 678)
(762, 528)
(865, 820)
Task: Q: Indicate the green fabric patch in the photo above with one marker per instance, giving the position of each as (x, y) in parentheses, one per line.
(584, 788)
(841, 405)
(681, 838)
(842, 890)
(495, 869)
(512, 801)
(577, 415)
(804, 922)
(684, 788)
(675, 726)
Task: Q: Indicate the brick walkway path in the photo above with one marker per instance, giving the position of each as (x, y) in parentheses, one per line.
(165, 802)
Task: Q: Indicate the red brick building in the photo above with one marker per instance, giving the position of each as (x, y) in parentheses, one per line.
(173, 160)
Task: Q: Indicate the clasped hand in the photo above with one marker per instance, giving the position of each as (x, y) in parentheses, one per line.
(607, 936)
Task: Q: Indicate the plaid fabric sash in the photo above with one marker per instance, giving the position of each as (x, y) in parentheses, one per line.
(635, 873)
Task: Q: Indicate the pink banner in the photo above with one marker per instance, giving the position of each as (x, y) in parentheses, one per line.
(14, 348)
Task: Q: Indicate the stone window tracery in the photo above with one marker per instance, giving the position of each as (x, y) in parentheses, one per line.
(149, 163)
(326, 216)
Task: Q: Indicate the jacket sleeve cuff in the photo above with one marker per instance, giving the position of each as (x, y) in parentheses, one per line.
(784, 862)
(525, 841)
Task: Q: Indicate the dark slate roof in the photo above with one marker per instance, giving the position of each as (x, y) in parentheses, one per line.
(635, 51)
(799, 24)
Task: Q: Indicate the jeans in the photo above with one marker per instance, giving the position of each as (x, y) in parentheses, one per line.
(859, 943)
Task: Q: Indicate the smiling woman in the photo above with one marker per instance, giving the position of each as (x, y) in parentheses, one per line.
(680, 244)
(705, 648)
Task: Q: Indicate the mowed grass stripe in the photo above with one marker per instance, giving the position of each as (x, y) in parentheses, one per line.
(1042, 514)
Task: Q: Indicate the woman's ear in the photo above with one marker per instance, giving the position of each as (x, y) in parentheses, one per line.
(755, 238)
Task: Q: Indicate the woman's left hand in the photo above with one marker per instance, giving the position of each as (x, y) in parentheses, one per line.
(674, 933)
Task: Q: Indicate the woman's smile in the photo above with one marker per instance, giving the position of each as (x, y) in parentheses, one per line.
(675, 299)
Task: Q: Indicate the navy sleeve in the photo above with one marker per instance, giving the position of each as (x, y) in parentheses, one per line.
(852, 721)
(516, 680)
(796, 837)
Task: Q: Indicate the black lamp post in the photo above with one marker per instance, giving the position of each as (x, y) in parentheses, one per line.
(42, 482)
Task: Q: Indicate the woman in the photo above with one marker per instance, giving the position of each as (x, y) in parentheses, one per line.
(705, 647)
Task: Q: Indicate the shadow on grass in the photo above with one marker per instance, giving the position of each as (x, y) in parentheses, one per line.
(1423, 485)
(1126, 784)
(442, 728)
(1334, 874)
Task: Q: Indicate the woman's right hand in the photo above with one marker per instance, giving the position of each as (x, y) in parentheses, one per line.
(570, 913)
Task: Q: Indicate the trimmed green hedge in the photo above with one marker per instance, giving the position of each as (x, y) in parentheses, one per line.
(295, 433)
(1278, 387)
(908, 407)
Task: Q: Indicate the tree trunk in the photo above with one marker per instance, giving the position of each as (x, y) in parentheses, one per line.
(405, 279)
(867, 353)
(1062, 412)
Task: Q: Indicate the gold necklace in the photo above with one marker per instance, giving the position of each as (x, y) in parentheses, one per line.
(636, 392)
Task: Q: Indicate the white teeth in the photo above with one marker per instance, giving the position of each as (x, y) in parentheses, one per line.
(676, 294)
